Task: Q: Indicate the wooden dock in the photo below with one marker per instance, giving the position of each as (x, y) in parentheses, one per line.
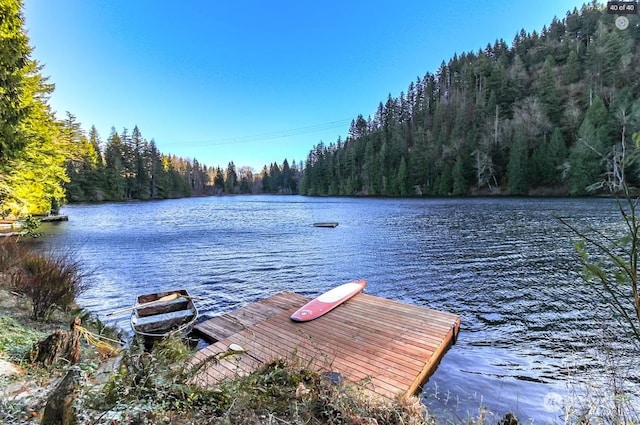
(8, 226)
(53, 218)
(386, 347)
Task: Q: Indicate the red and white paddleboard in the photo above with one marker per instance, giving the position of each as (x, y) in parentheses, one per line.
(328, 301)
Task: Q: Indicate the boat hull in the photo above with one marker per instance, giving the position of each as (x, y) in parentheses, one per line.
(153, 319)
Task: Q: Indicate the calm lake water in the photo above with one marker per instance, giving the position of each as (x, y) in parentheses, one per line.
(532, 331)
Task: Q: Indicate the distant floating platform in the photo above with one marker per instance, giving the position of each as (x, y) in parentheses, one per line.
(386, 347)
(326, 224)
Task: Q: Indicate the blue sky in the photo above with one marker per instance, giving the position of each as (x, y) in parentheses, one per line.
(252, 81)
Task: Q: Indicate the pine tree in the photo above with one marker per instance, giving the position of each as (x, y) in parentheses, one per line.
(548, 92)
(585, 160)
(15, 66)
(141, 188)
(218, 181)
(598, 117)
(231, 179)
(288, 180)
(444, 182)
(418, 162)
(401, 182)
(115, 170)
(32, 152)
(79, 165)
(460, 185)
(158, 177)
(573, 69)
(547, 159)
(518, 167)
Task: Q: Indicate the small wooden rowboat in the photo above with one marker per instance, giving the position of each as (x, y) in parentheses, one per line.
(161, 314)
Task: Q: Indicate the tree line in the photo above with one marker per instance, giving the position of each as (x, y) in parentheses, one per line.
(547, 115)
(128, 166)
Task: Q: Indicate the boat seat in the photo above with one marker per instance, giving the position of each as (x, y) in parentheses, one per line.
(164, 307)
(162, 321)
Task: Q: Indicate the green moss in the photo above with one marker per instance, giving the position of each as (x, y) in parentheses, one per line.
(15, 339)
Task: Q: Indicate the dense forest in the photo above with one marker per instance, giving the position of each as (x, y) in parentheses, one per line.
(548, 114)
(128, 166)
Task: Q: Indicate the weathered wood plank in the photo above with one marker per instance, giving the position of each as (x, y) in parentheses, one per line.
(363, 355)
(225, 325)
(387, 347)
(219, 327)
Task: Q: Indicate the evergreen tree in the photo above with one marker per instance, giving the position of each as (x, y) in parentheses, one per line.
(418, 162)
(231, 179)
(520, 79)
(82, 162)
(615, 50)
(401, 179)
(158, 177)
(598, 117)
(114, 168)
(444, 182)
(141, 167)
(94, 163)
(518, 167)
(288, 179)
(276, 178)
(573, 69)
(460, 185)
(15, 68)
(586, 160)
(218, 181)
(32, 152)
(548, 92)
(548, 158)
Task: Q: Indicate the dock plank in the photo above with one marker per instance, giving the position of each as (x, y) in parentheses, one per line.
(387, 347)
(220, 327)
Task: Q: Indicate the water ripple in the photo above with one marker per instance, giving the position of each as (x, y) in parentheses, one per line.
(506, 266)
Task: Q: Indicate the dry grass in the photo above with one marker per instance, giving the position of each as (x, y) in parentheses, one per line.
(281, 392)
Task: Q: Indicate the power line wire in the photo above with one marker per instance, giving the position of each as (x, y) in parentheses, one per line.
(271, 135)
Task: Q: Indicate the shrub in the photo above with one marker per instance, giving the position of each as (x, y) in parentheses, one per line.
(30, 226)
(11, 253)
(159, 387)
(49, 281)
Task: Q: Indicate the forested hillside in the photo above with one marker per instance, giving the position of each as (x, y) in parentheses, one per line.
(547, 114)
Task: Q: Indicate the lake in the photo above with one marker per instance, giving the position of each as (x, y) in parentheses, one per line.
(533, 333)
